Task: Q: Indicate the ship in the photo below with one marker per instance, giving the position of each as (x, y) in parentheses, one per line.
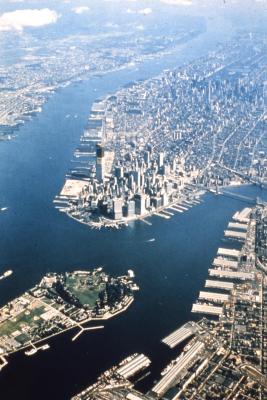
(6, 274)
(31, 352)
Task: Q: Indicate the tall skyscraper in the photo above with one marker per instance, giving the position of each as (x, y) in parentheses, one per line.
(161, 159)
(100, 162)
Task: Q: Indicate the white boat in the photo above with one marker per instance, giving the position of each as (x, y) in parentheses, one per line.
(31, 352)
(45, 347)
(8, 273)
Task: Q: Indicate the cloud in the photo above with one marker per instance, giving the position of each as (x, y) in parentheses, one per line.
(178, 2)
(145, 11)
(20, 19)
(81, 9)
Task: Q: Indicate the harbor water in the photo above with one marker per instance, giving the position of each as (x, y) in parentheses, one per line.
(36, 238)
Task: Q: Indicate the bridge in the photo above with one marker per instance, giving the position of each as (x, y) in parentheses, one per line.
(254, 181)
(221, 191)
(256, 201)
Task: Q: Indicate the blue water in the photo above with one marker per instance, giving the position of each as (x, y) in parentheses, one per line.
(36, 238)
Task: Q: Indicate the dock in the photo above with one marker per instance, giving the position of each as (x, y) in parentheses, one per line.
(174, 208)
(206, 309)
(213, 296)
(228, 252)
(183, 363)
(242, 216)
(180, 334)
(235, 234)
(238, 225)
(159, 214)
(219, 285)
(136, 364)
(243, 276)
(225, 263)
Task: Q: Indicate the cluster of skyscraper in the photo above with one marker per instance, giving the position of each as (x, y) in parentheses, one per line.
(137, 185)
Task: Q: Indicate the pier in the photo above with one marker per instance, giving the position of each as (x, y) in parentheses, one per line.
(228, 252)
(180, 334)
(235, 235)
(242, 216)
(224, 263)
(238, 225)
(213, 296)
(219, 285)
(182, 364)
(206, 309)
(232, 274)
(139, 362)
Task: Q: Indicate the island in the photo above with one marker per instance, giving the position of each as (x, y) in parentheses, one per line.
(60, 302)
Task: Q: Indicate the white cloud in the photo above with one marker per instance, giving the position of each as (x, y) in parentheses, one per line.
(145, 11)
(81, 9)
(19, 19)
(178, 2)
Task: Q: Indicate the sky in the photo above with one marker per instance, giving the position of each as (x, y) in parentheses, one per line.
(18, 15)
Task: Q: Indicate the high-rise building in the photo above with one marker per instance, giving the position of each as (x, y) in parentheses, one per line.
(100, 162)
(131, 209)
(117, 208)
(140, 204)
(147, 158)
(161, 159)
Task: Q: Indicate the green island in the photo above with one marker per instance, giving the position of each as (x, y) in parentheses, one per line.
(60, 302)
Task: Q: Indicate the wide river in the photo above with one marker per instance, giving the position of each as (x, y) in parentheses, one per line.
(36, 238)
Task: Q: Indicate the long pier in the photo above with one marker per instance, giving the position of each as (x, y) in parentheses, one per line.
(219, 285)
(214, 297)
(235, 235)
(182, 364)
(206, 309)
(225, 263)
(238, 225)
(228, 252)
(232, 274)
(139, 362)
(181, 334)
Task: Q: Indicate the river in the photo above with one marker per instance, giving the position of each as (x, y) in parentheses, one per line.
(36, 238)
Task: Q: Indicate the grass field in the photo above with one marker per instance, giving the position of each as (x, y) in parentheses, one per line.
(85, 294)
(8, 327)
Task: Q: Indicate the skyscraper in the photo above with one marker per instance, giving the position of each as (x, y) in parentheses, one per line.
(100, 162)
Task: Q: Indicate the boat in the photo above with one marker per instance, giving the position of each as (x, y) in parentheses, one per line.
(151, 240)
(31, 352)
(45, 347)
(8, 273)
(4, 208)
